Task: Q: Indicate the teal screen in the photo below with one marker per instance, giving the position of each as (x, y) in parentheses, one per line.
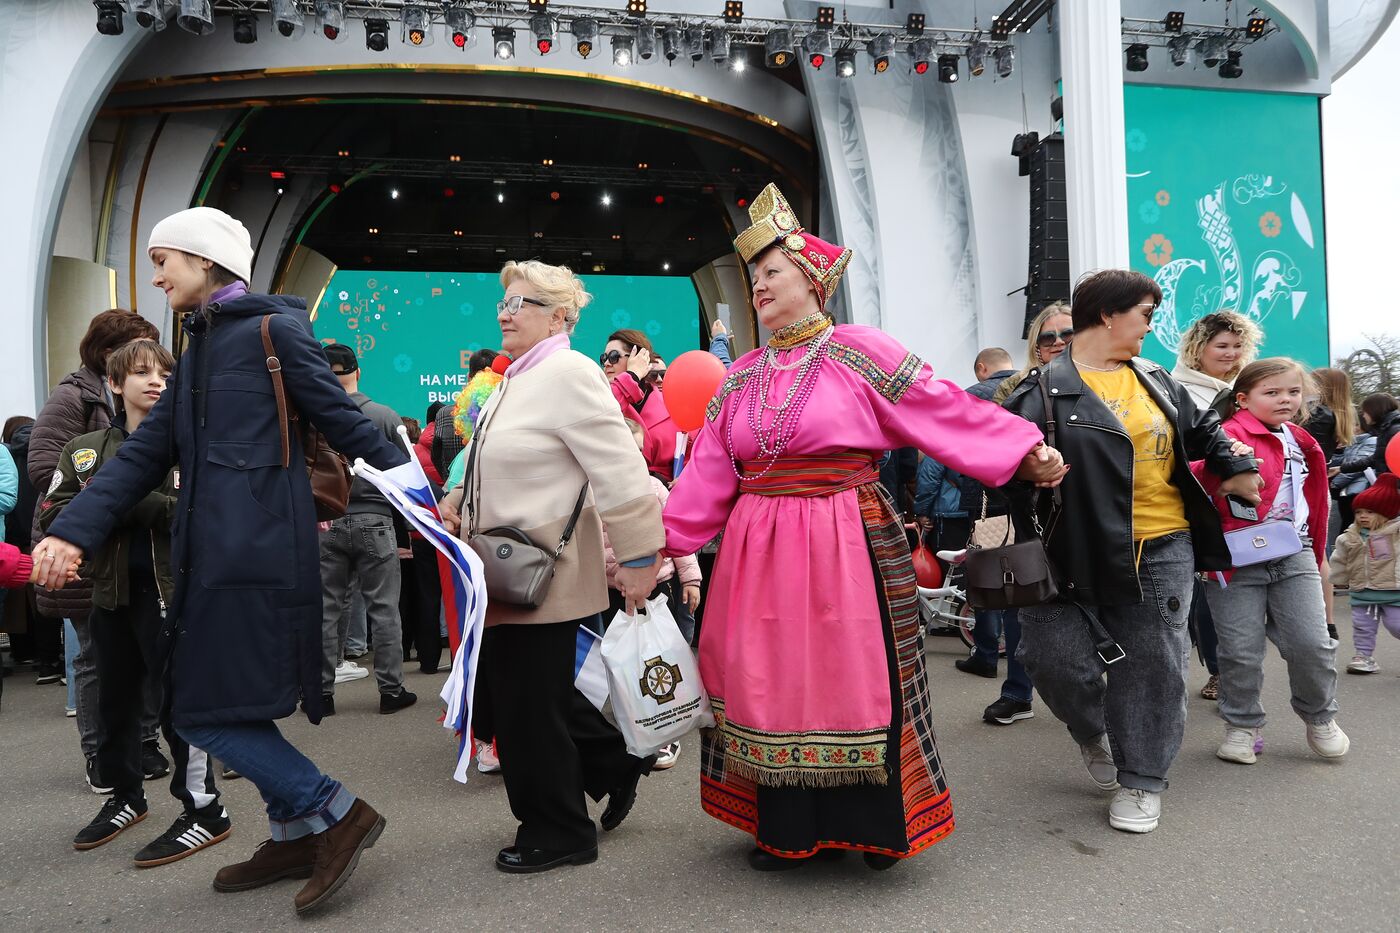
(414, 331)
(1225, 213)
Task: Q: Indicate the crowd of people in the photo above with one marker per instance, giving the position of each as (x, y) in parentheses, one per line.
(172, 561)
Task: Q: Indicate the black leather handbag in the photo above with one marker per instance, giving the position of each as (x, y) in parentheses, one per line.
(1011, 576)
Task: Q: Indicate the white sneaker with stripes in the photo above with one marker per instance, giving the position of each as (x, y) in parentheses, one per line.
(187, 835)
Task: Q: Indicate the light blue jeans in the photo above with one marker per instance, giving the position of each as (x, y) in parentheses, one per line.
(1278, 601)
(70, 655)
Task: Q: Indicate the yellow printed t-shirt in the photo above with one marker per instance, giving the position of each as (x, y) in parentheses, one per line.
(1157, 506)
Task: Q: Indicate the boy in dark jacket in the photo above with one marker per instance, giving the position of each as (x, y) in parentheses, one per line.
(131, 580)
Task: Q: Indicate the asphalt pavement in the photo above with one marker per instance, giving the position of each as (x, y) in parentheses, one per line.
(1291, 843)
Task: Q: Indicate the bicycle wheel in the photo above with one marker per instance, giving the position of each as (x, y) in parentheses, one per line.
(967, 621)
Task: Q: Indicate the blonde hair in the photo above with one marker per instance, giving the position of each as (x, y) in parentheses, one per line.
(1258, 371)
(1206, 329)
(1009, 384)
(556, 284)
(1334, 391)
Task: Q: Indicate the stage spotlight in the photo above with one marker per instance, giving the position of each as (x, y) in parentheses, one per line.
(1005, 59)
(1231, 67)
(777, 48)
(461, 26)
(1212, 49)
(1257, 25)
(288, 19)
(1180, 48)
(671, 42)
(196, 16)
(646, 43)
(1137, 57)
(150, 14)
(109, 18)
(622, 50)
(948, 69)
(637, 8)
(826, 16)
(537, 6)
(695, 42)
(585, 30)
(738, 63)
(544, 28)
(1174, 20)
(330, 19)
(503, 43)
(719, 48)
(733, 12)
(818, 47)
(845, 63)
(245, 28)
(920, 53)
(977, 58)
(376, 34)
(417, 28)
(880, 49)
(914, 25)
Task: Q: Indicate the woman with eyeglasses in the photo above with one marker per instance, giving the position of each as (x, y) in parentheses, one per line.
(1133, 526)
(1050, 335)
(636, 374)
(551, 431)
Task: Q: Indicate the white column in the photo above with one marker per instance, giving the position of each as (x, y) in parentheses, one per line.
(1091, 65)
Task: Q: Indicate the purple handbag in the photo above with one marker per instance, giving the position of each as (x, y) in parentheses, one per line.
(1266, 541)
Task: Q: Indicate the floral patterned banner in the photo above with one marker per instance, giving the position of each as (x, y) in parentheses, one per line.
(1225, 213)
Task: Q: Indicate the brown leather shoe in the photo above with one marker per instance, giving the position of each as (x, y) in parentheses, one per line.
(272, 861)
(338, 851)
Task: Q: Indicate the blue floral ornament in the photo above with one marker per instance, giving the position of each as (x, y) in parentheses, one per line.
(403, 363)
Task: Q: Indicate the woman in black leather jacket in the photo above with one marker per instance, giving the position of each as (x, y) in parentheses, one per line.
(1133, 526)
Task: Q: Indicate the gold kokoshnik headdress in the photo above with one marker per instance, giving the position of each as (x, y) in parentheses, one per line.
(774, 223)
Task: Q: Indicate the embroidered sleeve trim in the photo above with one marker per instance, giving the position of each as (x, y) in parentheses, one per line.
(892, 385)
(732, 383)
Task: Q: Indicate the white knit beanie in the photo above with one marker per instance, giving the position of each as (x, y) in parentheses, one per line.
(208, 233)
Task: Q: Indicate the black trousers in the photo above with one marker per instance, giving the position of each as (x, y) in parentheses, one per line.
(125, 644)
(420, 598)
(553, 744)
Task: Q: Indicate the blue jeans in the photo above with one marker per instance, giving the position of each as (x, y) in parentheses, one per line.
(985, 635)
(300, 799)
(70, 655)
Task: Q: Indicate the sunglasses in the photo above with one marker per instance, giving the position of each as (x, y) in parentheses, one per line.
(1048, 338)
(513, 304)
(656, 375)
(611, 357)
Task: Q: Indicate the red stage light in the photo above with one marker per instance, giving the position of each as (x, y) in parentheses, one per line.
(544, 45)
(459, 39)
(660, 199)
(817, 60)
(742, 202)
(277, 175)
(448, 192)
(921, 68)
(335, 189)
(554, 195)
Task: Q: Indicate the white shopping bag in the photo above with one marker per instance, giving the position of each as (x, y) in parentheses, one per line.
(653, 680)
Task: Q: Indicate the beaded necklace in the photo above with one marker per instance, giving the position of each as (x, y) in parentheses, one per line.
(773, 439)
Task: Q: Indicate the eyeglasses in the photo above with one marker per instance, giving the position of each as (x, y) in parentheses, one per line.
(657, 375)
(513, 304)
(1048, 338)
(611, 357)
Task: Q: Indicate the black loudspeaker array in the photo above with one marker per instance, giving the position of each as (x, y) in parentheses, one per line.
(1048, 278)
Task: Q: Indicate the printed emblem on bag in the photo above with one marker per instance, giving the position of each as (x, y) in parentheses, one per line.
(504, 551)
(659, 680)
(84, 460)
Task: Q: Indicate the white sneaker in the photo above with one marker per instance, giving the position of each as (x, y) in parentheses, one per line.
(1098, 758)
(71, 712)
(666, 757)
(349, 670)
(1327, 739)
(486, 760)
(1135, 811)
(1239, 746)
(1361, 664)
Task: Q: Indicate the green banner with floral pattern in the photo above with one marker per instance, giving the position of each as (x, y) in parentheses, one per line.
(1225, 213)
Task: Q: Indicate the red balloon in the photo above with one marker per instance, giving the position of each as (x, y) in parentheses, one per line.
(691, 381)
(499, 364)
(1392, 454)
(926, 569)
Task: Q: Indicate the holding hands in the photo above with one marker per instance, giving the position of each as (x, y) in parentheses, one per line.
(56, 563)
(1043, 466)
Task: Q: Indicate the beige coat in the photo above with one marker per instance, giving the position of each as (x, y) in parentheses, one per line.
(541, 436)
(1368, 565)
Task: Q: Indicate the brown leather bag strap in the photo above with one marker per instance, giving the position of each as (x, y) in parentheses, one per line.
(274, 369)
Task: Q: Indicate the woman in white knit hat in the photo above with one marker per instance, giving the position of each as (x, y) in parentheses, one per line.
(243, 634)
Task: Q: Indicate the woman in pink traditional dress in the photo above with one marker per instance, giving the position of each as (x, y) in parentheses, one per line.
(811, 648)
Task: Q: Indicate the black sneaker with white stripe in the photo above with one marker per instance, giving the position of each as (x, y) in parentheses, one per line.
(187, 835)
(116, 815)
